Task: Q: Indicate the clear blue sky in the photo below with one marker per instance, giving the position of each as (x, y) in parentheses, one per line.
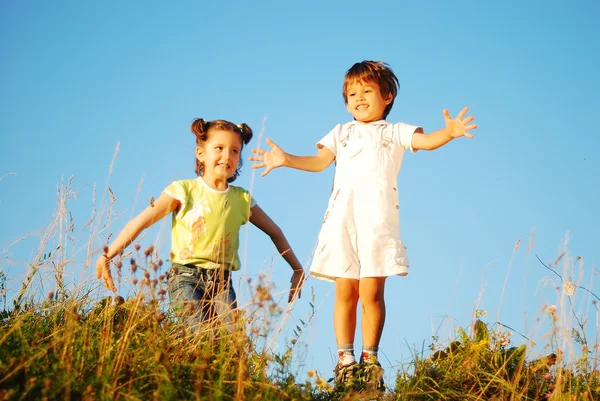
(77, 78)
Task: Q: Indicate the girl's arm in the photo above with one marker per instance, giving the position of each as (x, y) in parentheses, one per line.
(164, 205)
(276, 157)
(455, 127)
(261, 220)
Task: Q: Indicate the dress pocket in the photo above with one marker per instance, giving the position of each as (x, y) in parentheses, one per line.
(398, 254)
(351, 148)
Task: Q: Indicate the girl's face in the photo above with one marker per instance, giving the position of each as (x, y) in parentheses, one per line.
(364, 101)
(220, 154)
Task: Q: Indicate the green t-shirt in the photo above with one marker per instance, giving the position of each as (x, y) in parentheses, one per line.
(206, 226)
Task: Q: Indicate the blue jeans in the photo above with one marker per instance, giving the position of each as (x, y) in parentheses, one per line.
(203, 296)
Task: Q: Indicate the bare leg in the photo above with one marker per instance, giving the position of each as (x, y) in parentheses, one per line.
(370, 290)
(344, 310)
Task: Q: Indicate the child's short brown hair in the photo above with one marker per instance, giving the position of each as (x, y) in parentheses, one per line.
(376, 72)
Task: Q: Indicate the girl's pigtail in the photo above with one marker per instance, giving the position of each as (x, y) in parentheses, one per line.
(246, 132)
(199, 129)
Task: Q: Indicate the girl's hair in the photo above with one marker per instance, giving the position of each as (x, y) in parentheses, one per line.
(201, 128)
(377, 72)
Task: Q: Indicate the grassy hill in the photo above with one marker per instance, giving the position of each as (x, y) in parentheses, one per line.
(58, 342)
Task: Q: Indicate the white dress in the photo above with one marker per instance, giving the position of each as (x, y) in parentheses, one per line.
(360, 236)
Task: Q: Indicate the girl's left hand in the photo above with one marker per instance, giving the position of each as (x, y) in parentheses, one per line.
(296, 287)
(457, 127)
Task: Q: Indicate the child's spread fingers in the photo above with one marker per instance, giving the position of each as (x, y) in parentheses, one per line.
(462, 113)
(446, 114)
(272, 144)
(470, 127)
(258, 151)
(468, 119)
(260, 165)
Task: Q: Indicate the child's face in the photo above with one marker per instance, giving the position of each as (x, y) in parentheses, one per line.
(365, 102)
(220, 154)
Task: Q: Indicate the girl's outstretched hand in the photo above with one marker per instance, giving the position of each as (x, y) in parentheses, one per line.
(457, 127)
(296, 287)
(103, 272)
(269, 159)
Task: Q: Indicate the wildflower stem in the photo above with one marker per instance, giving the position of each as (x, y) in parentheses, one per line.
(561, 279)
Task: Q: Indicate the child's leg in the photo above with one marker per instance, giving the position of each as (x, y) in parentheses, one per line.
(186, 291)
(372, 300)
(344, 323)
(344, 310)
(373, 319)
(223, 304)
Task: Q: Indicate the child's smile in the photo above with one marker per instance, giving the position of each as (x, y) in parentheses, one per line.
(220, 155)
(365, 102)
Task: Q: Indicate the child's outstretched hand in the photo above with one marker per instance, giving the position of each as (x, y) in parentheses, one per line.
(458, 127)
(103, 272)
(271, 159)
(296, 287)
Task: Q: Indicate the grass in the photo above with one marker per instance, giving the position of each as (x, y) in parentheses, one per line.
(60, 342)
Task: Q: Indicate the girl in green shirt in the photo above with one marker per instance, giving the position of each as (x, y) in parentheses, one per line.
(207, 213)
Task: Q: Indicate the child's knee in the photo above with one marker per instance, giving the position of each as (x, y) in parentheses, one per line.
(346, 291)
(347, 298)
(372, 300)
(372, 291)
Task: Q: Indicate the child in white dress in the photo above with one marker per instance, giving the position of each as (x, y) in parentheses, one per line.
(359, 243)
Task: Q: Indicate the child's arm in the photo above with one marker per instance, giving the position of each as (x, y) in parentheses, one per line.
(261, 220)
(276, 157)
(455, 127)
(164, 205)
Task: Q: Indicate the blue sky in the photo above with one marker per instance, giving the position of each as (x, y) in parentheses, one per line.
(78, 78)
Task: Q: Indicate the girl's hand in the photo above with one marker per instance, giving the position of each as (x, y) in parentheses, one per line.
(457, 127)
(103, 272)
(296, 287)
(271, 159)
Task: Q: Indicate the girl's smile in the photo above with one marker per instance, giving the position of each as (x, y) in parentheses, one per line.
(220, 156)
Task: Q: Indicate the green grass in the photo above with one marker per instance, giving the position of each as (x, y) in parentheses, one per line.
(58, 342)
(71, 348)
